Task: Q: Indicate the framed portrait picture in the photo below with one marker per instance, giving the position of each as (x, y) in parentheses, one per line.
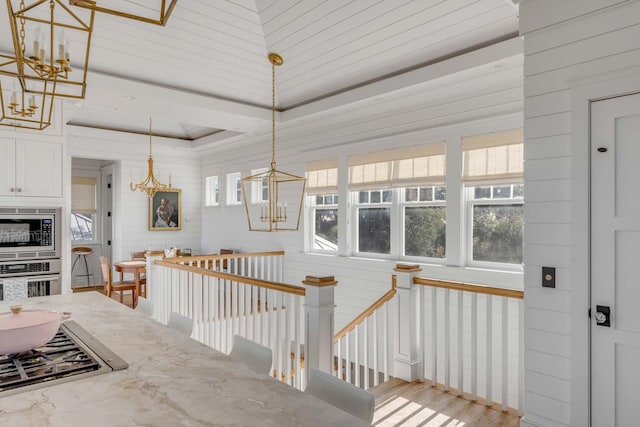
(165, 211)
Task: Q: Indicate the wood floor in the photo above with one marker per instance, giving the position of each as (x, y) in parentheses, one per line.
(399, 403)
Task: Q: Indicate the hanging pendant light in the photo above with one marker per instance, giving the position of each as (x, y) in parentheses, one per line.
(24, 110)
(274, 214)
(150, 184)
(51, 44)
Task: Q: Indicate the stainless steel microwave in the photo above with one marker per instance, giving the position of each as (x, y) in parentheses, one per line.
(29, 233)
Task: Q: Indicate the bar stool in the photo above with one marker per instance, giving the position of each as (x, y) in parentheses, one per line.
(81, 252)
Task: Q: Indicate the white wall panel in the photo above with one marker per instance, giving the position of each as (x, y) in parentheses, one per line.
(566, 44)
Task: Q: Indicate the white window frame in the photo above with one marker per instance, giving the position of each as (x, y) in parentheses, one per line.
(311, 208)
(432, 203)
(355, 224)
(212, 191)
(470, 203)
(96, 221)
(234, 189)
(257, 187)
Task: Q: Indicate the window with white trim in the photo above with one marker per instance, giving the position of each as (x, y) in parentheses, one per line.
(494, 191)
(260, 189)
(83, 208)
(234, 189)
(212, 193)
(400, 192)
(322, 205)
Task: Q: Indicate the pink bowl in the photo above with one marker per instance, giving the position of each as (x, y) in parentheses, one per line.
(25, 330)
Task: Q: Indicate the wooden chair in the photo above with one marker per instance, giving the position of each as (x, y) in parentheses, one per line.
(225, 262)
(110, 286)
(141, 256)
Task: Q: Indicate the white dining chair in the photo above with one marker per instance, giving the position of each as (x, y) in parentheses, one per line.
(256, 356)
(145, 306)
(341, 394)
(180, 323)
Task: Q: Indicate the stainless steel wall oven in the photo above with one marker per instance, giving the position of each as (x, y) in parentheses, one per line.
(30, 251)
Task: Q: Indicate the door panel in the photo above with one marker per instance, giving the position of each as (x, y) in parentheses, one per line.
(615, 256)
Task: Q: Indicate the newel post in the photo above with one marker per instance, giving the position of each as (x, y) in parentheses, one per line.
(319, 315)
(407, 347)
(154, 285)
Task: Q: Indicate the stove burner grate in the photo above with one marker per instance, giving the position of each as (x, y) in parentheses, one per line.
(61, 357)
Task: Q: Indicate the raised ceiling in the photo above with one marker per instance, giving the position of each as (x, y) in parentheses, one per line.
(206, 72)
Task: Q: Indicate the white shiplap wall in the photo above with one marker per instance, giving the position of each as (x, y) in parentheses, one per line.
(479, 100)
(129, 153)
(565, 43)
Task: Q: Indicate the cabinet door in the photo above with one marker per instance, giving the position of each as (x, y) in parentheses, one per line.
(38, 168)
(8, 172)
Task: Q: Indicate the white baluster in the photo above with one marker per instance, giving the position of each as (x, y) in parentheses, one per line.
(505, 358)
(365, 349)
(447, 340)
(356, 355)
(376, 369)
(434, 337)
(348, 356)
(520, 357)
(385, 341)
(489, 380)
(460, 328)
(474, 347)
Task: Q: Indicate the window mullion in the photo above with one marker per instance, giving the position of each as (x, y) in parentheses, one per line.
(397, 226)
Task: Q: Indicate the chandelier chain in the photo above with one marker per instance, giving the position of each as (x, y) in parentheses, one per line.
(149, 136)
(273, 115)
(22, 32)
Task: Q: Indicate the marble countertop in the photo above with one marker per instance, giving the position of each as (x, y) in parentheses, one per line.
(171, 381)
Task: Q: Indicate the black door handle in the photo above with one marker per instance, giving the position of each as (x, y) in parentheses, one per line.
(603, 315)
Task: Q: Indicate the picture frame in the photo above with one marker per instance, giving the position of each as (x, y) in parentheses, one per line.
(165, 210)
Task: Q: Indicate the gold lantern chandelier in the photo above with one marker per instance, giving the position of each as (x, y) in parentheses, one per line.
(125, 9)
(46, 36)
(150, 184)
(272, 214)
(21, 109)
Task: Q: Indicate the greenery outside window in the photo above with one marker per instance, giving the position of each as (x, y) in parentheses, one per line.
(83, 209)
(400, 189)
(494, 190)
(373, 221)
(425, 222)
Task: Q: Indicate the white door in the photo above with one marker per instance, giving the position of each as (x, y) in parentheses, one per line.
(615, 262)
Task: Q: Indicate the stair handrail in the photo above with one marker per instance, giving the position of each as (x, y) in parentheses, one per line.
(367, 311)
(469, 287)
(276, 286)
(211, 257)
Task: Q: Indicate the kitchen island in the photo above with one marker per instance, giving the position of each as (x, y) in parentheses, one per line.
(171, 381)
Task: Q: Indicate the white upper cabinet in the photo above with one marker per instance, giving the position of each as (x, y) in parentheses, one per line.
(32, 168)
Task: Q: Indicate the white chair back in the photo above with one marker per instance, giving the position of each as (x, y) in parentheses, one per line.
(341, 394)
(180, 323)
(257, 357)
(145, 306)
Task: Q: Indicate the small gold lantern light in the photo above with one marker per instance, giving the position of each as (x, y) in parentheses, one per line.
(25, 110)
(274, 214)
(152, 12)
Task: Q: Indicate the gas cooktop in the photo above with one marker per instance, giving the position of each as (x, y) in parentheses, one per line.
(72, 354)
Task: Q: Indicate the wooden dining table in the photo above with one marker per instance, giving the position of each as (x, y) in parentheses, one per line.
(135, 267)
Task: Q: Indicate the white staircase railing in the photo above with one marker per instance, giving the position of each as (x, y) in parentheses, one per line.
(279, 316)
(361, 348)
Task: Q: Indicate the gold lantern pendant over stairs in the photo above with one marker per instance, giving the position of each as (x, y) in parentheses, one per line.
(274, 214)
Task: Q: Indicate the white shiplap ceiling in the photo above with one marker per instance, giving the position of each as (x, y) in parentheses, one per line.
(206, 72)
